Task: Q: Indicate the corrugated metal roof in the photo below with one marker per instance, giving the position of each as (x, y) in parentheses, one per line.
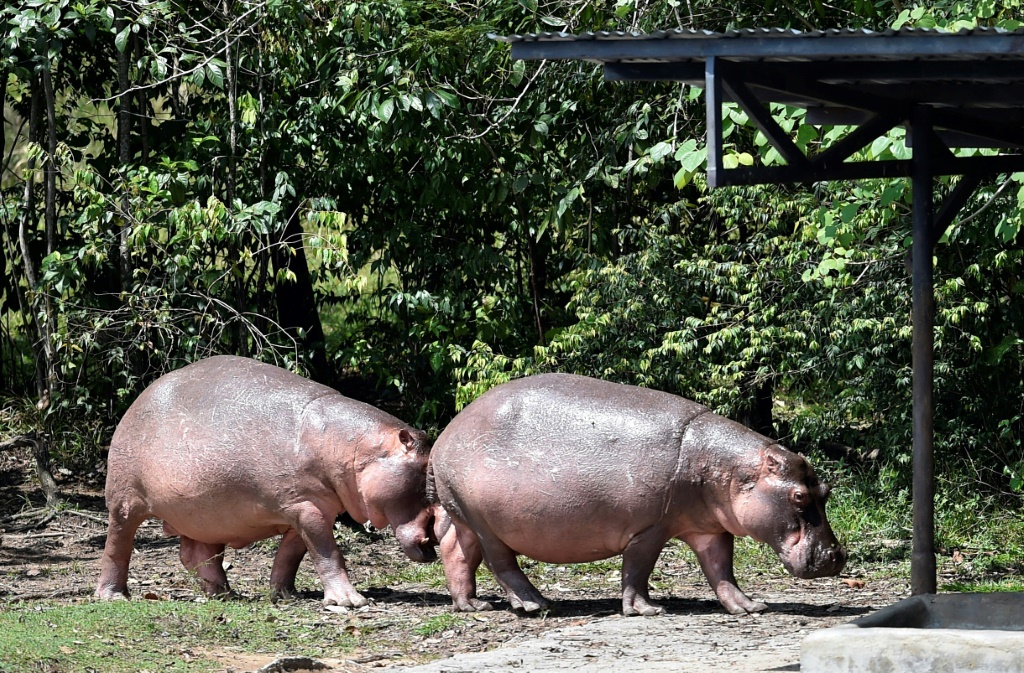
(780, 33)
(973, 78)
(772, 45)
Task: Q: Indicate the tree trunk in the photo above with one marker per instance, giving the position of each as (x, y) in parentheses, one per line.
(50, 180)
(231, 91)
(536, 283)
(141, 103)
(296, 303)
(27, 224)
(124, 152)
(758, 414)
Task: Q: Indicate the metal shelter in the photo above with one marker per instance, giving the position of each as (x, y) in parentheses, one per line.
(950, 90)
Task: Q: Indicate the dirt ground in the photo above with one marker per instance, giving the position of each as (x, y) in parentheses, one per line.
(584, 630)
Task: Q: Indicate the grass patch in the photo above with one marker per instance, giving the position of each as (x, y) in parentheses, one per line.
(124, 636)
(439, 624)
(985, 586)
(425, 574)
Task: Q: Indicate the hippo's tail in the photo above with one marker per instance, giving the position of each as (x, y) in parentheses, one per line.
(431, 490)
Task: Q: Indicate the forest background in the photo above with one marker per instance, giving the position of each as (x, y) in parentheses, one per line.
(375, 195)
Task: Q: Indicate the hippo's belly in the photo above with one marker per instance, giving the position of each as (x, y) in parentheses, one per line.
(235, 518)
(566, 511)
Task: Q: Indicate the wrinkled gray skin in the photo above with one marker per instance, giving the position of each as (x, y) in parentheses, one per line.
(227, 451)
(568, 469)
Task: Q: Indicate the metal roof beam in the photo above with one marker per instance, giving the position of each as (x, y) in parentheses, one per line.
(673, 49)
(756, 111)
(688, 72)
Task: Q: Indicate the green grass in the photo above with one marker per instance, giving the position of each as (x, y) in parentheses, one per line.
(986, 586)
(439, 624)
(426, 574)
(133, 635)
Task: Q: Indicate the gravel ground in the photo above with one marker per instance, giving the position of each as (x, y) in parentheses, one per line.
(695, 636)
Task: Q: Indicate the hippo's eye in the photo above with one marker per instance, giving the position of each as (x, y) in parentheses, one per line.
(799, 497)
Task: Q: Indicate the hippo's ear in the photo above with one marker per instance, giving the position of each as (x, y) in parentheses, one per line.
(774, 463)
(407, 440)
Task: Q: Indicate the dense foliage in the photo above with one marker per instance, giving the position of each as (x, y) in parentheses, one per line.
(374, 194)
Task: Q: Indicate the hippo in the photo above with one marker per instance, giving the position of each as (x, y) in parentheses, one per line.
(569, 469)
(229, 450)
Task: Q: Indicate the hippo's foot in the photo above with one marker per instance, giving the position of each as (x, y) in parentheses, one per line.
(470, 605)
(346, 599)
(280, 594)
(223, 594)
(736, 602)
(528, 605)
(745, 609)
(640, 606)
(111, 593)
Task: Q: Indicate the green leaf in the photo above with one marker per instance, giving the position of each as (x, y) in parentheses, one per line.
(385, 109)
(848, 212)
(121, 39)
(215, 74)
(681, 178)
(660, 151)
(694, 160)
(447, 97)
(518, 72)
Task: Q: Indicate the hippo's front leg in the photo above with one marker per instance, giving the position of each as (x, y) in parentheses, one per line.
(638, 559)
(714, 552)
(316, 529)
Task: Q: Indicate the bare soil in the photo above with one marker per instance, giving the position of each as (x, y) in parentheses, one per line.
(59, 560)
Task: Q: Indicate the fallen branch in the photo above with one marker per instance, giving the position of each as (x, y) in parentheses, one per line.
(85, 515)
(40, 595)
(47, 515)
(40, 446)
(34, 536)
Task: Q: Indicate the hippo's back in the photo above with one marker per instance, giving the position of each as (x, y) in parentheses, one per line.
(222, 422)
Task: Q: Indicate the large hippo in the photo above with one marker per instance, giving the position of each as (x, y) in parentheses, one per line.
(569, 469)
(228, 450)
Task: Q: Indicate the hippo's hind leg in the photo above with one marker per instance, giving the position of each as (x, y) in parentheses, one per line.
(207, 562)
(714, 552)
(125, 517)
(502, 561)
(461, 556)
(286, 564)
(638, 559)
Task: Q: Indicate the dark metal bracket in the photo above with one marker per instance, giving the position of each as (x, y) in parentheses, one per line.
(749, 84)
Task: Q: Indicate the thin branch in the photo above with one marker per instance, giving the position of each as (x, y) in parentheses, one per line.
(987, 204)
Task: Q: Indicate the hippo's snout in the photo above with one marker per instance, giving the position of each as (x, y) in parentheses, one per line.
(422, 552)
(818, 562)
(416, 542)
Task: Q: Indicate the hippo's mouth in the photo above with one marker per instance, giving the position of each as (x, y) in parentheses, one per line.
(809, 561)
(416, 541)
(421, 553)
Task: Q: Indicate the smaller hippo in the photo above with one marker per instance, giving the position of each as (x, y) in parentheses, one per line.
(569, 469)
(228, 451)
